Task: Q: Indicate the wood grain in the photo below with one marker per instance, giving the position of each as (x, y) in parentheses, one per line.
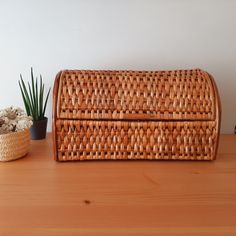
(39, 196)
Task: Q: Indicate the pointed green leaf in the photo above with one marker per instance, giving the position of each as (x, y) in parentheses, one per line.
(36, 98)
(33, 89)
(32, 102)
(45, 104)
(24, 100)
(41, 98)
(26, 94)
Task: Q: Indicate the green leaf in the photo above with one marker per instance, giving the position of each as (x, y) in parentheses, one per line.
(36, 98)
(46, 101)
(24, 100)
(41, 90)
(26, 94)
(32, 102)
(33, 91)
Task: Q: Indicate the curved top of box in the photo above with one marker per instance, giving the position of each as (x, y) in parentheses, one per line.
(135, 95)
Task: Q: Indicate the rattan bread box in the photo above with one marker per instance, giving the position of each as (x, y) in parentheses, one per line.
(147, 115)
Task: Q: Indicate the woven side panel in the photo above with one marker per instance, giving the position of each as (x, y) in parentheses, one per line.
(14, 145)
(153, 95)
(90, 140)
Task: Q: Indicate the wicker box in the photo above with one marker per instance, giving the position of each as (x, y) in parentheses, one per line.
(101, 115)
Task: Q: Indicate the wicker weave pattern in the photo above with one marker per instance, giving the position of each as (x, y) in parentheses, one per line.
(99, 115)
(89, 140)
(14, 145)
(143, 95)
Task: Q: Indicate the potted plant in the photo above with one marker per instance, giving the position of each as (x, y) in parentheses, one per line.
(35, 105)
(14, 133)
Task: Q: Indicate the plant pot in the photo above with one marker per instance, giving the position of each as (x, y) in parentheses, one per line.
(38, 129)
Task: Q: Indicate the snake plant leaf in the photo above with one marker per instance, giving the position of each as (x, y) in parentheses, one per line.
(41, 89)
(33, 88)
(36, 98)
(24, 100)
(26, 93)
(46, 101)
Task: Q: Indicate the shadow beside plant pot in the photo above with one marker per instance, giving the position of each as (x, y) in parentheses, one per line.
(38, 129)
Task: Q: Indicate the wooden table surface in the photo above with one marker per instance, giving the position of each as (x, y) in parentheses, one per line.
(39, 196)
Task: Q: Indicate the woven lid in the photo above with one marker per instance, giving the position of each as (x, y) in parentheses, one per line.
(131, 95)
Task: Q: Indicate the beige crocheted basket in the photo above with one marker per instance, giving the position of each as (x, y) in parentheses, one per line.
(14, 145)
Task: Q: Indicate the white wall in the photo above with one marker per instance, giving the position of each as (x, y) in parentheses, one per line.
(51, 35)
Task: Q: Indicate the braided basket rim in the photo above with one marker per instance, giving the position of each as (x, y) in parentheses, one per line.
(2, 136)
